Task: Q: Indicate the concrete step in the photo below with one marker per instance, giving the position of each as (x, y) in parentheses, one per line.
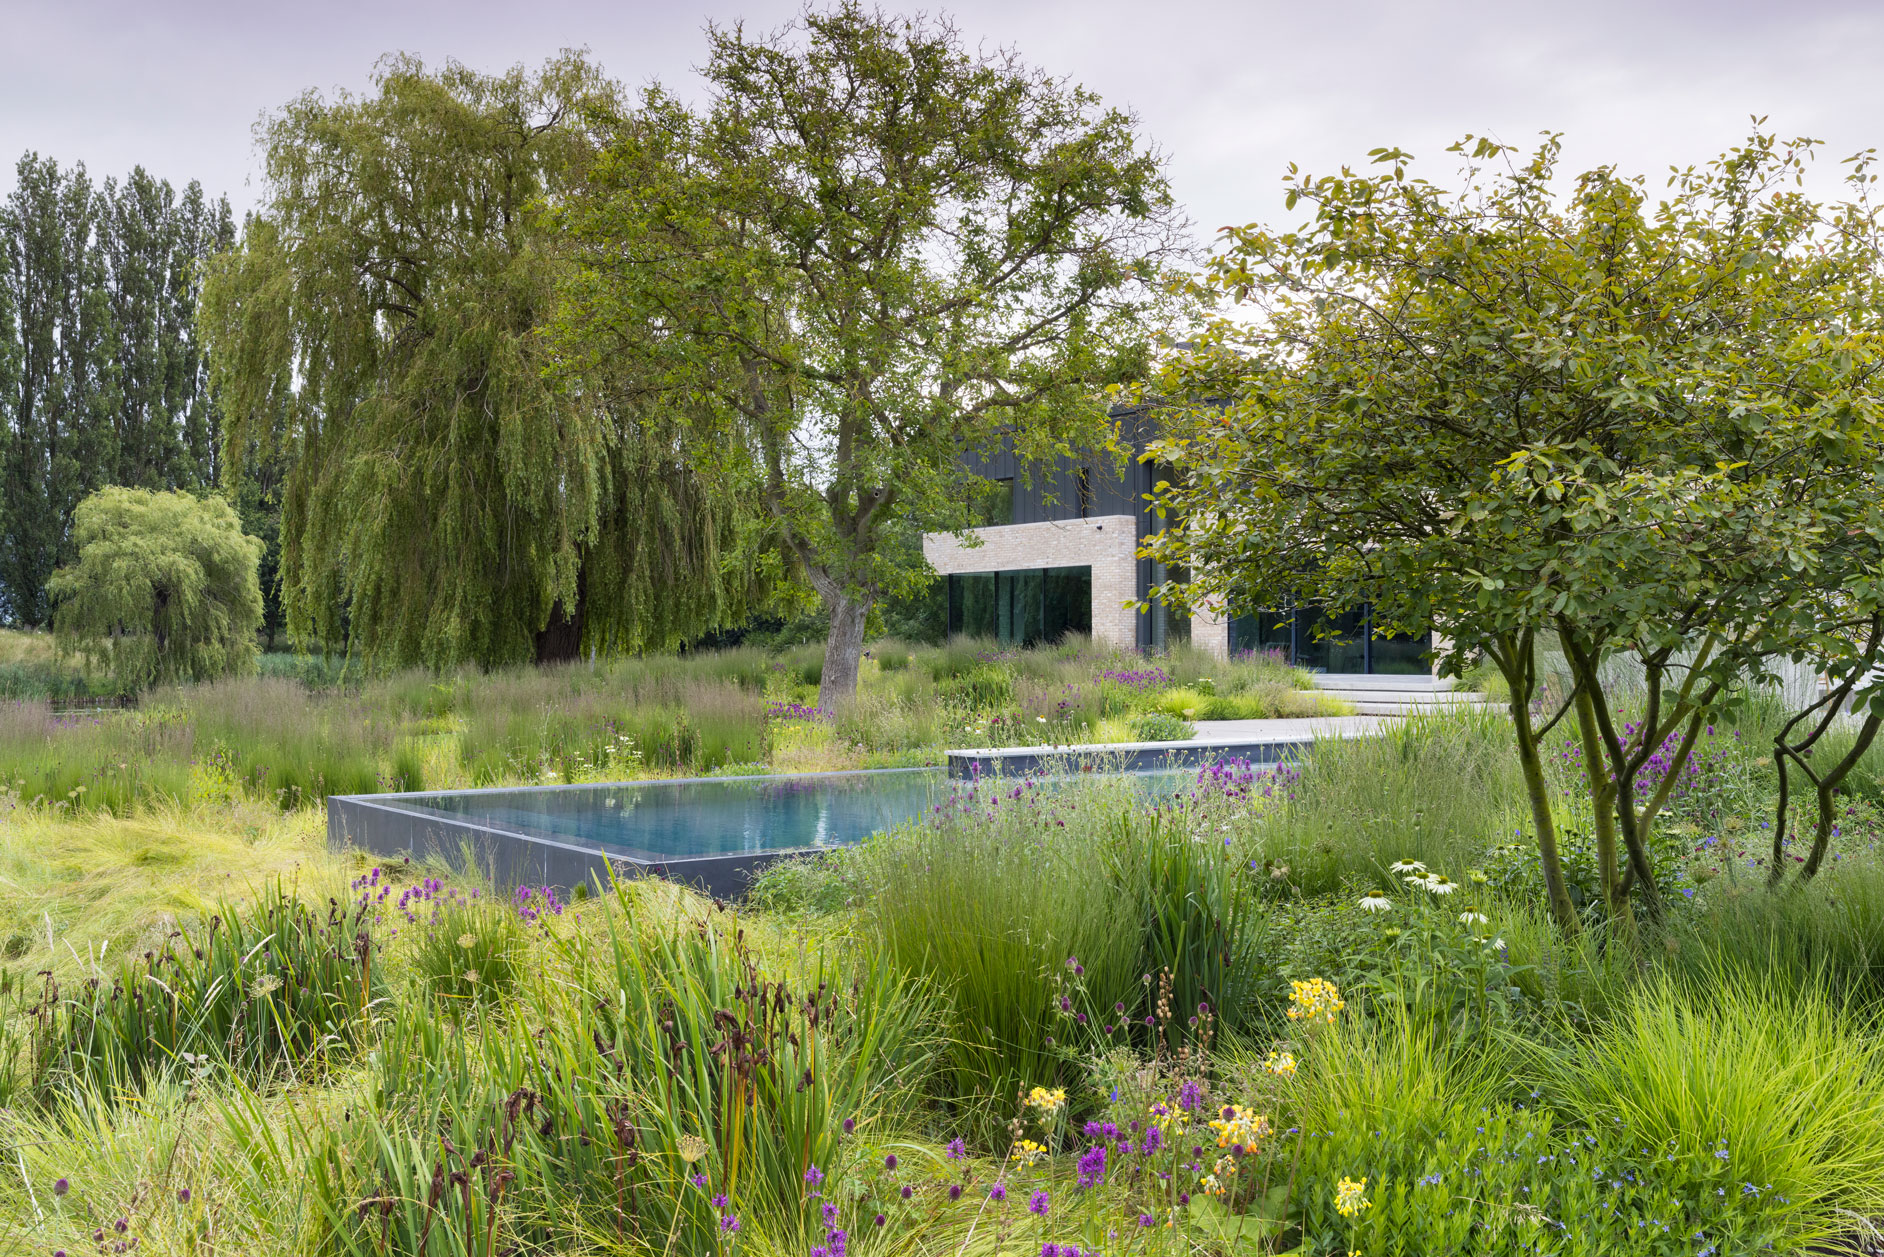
(1419, 683)
(1402, 703)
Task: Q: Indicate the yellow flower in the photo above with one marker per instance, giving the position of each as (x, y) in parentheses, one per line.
(1238, 1125)
(1281, 1064)
(1351, 1198)
(1314, 1000)
(1046, 1101)
(1026, 1152)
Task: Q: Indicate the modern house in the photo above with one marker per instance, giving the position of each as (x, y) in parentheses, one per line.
(1059, 553)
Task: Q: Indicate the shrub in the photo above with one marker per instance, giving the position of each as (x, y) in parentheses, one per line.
(1158, 726)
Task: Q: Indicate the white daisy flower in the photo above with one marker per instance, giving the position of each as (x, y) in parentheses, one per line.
(1407, 866)
(1473, 918)
(1375, 903)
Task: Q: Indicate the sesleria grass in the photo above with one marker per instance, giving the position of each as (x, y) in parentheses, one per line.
(1771, 1087)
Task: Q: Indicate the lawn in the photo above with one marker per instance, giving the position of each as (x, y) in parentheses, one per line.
(1320, 1011)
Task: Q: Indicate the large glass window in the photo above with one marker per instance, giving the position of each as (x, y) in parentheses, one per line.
(1310, 638)
(1021, 608)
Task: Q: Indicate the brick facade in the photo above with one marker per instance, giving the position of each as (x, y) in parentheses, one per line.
(1108, 544)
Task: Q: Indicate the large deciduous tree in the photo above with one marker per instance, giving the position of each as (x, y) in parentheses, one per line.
(871, 251)
(446, 498)
(1544, 409)
(164, 587)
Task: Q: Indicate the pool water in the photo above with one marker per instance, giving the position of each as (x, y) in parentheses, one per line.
(680, 820)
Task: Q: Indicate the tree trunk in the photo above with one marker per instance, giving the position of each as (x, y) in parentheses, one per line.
(843, 649)
(560, 640)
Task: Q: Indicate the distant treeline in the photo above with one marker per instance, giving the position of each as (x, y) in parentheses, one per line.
(102, 379)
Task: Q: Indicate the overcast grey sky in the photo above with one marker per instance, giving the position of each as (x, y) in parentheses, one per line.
(1232, 91)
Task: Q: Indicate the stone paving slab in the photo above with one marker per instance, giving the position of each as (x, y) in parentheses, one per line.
(1259, 741)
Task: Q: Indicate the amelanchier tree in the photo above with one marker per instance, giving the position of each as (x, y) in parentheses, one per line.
(1543, 409)
(871, 251)
(164, 588)
(447, 498)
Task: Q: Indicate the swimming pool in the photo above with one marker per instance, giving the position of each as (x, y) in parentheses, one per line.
(714, 832)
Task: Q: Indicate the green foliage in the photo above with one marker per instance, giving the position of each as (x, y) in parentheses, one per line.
(1749, 1080)
(102, 376)
(446, 499)
(263, 990)
(164, 588)
(957, 900)
(980, 231)
(1461, 407)
(1160, 726)
(1437, 789)
(583, 1126)
(473, 953)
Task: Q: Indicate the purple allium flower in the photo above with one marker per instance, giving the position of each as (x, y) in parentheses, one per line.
(905, 1191)
(850, 1124)
(1038, 1203)
(955, 1191)
(1184, 1198)
(183, 1196)
(881, 1220)
(60, 1187)
(889, 1162)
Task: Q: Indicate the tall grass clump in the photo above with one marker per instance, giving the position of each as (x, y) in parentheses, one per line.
(1829, 931)
(1751, 1085)
(1437, 788)
(86, 763)
(989, 898)
(283, 743)
(262, 990)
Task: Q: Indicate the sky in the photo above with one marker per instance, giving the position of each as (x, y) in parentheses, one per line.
(1231, 92)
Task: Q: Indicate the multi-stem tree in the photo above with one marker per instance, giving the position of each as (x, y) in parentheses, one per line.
(1550, 410)
(872, 251)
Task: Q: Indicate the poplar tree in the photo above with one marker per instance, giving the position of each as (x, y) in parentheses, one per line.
(448, 497)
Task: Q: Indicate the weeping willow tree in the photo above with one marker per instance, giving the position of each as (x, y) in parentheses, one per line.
(451, 498)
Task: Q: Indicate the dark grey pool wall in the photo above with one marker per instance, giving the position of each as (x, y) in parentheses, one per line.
(372, 823)
(1126, 757)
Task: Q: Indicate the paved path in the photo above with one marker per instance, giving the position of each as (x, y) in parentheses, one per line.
(1295, 729)
(1259, 741)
